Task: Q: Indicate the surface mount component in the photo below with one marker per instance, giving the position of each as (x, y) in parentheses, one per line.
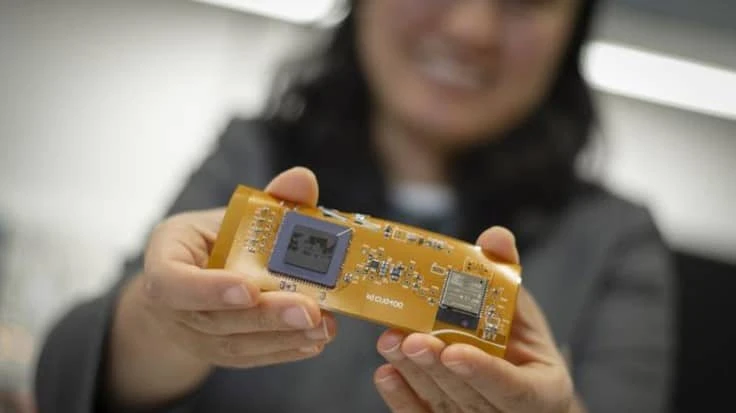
(385, 272)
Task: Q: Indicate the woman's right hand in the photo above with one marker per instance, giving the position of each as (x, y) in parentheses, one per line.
(177, 319)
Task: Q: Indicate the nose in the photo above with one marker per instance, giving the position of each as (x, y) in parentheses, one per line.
(474, 24)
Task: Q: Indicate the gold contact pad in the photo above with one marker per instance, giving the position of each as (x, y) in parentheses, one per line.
(251, 227)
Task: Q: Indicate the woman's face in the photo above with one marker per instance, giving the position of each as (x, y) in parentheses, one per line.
(460, 71)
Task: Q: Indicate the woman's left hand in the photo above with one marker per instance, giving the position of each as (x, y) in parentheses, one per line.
(424, 375)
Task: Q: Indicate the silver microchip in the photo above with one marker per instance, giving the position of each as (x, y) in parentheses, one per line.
(464, 292)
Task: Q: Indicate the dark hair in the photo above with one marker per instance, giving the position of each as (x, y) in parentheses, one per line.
(324, 115)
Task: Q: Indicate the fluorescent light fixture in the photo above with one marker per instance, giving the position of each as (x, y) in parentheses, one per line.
(294, 11)
(661, 79)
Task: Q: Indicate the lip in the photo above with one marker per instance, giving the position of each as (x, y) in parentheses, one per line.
(448, 75)
(442, 69)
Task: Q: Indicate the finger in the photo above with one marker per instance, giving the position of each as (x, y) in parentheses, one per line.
(424, 351)
(530, 316)
(500, 382)
(297, 185)
(389, 345)
(244, 350)
(531, 336)
(238, 347)
(206, 222)
(277, 311)
(186, 237)
(271, 359)
(185, 287)
(395, 392)
(500, 243)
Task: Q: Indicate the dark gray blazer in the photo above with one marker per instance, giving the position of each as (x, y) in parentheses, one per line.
(600, 272)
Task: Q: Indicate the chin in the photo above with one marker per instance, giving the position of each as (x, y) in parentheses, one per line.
(456, 132)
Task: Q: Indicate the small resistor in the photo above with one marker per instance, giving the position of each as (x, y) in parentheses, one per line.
(396, 272)
(373, 264)
(384, 269)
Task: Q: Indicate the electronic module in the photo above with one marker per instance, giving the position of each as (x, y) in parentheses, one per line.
(385, 272)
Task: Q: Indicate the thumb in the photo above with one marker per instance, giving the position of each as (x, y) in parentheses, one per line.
(297, 185)
(500, 243)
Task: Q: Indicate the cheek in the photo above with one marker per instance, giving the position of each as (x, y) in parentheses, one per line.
(387, 33)
(531, 55)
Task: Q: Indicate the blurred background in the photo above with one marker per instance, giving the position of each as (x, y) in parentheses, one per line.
(106, 106)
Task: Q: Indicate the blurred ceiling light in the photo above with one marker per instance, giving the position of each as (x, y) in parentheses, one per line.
(294, 11)
(661, 79)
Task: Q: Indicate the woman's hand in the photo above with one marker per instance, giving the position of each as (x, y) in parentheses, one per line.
(177, 319)
(424, 375)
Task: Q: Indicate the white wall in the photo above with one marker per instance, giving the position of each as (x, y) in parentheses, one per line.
(106, 105)
(683, 165)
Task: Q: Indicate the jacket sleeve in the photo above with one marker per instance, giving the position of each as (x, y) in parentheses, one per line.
(71, 366)
(623, 350)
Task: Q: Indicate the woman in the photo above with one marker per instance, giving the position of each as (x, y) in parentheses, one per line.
(456, 115)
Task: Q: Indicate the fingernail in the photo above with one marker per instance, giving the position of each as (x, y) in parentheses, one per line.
(388, 383)
(459, 368)
(390, 347)
(309, 350)
(319, 333)
(236, 295)
(423, 357)
(297, 317)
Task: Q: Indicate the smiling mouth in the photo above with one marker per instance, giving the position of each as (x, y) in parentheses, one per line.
(442, 68)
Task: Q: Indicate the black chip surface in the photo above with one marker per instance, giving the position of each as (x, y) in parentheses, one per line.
(310, 249)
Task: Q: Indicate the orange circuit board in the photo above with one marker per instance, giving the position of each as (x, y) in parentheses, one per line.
(365, 267)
